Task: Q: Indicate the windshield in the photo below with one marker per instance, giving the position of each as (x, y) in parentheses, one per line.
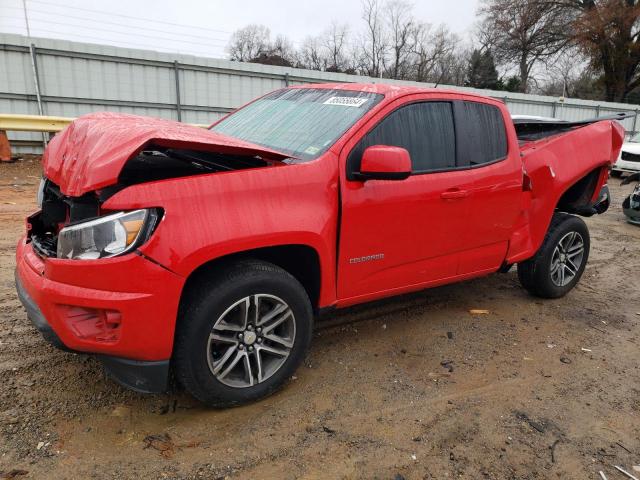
(635, 138)
(301, 122)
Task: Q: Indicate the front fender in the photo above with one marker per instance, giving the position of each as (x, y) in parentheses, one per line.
(214, 215)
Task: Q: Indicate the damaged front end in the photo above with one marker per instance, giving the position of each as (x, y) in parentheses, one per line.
(77, 227)
(157, 163)
(56, 211)
(98, 155)
(92, 152)
(82, 269)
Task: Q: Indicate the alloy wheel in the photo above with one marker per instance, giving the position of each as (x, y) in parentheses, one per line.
(567, 259)
(251, 340)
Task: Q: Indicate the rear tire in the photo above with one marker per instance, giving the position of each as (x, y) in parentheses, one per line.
(560, 262)
(616, 173)
(252, 313)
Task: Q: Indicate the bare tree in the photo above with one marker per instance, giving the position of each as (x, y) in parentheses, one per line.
(335, 41)
(248, 43)
(400, 24)
(279, 52)
(374, 42)
(563, 71)
(524, 32)
(283, 47)
(392, 44)
(430, 48)
(311, 54)
(452, 67)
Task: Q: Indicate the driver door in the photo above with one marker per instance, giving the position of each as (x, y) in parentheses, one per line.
(403, 235)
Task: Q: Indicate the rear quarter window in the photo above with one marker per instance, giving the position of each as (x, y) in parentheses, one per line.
(482, 137)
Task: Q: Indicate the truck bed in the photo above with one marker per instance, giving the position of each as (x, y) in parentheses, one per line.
(536, 128)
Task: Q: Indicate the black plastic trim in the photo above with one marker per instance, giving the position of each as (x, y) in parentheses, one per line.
(325, 311)
(604, 200)
(364, 176)
(599, 206)
(141, 376)
(455, 169)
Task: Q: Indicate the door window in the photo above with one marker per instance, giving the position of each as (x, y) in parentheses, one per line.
(425, 129)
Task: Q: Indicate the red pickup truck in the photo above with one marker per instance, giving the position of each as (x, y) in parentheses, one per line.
(160, 245)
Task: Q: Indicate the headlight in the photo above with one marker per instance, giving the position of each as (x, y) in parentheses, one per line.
(106, 236)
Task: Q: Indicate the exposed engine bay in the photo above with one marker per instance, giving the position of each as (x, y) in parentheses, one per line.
(159, 163)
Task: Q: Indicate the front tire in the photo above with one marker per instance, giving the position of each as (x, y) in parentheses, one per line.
(242, 333)
(560, 262)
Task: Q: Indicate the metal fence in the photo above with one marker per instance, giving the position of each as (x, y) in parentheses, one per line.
(76, 78)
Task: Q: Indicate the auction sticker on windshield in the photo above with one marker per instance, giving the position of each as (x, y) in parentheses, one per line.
(346, 101)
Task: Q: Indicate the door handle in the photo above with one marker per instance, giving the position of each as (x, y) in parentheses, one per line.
(454, 194)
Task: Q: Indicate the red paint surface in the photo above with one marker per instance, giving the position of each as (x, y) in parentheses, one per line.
(427, 230)
(385, 159)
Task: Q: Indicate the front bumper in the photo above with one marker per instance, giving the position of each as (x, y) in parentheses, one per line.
(626, 166)
(123, 309)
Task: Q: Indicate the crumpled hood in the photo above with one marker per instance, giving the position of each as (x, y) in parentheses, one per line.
(90, 153)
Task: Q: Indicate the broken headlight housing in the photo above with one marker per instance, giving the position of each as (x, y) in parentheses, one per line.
(107, 236)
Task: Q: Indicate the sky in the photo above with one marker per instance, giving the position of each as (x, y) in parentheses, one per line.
(202, 27)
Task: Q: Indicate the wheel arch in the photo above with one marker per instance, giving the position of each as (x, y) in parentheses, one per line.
(579, 196)
(300, 260)
(536, 273)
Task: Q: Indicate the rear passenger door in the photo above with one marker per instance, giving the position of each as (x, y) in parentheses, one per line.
(402, 235)
(496, 192)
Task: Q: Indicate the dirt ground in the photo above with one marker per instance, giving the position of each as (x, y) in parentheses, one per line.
(414, 387)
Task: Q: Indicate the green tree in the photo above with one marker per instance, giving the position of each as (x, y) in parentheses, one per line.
(482, 72)
(511, 84)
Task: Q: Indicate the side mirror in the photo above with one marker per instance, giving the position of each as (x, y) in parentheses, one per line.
(382, 162)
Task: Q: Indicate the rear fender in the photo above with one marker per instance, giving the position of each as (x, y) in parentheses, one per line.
(566, 172)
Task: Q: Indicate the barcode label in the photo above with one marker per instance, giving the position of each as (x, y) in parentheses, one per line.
(346, 101)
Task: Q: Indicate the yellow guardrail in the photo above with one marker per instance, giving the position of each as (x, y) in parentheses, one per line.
(33, 123)
(37, 123)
